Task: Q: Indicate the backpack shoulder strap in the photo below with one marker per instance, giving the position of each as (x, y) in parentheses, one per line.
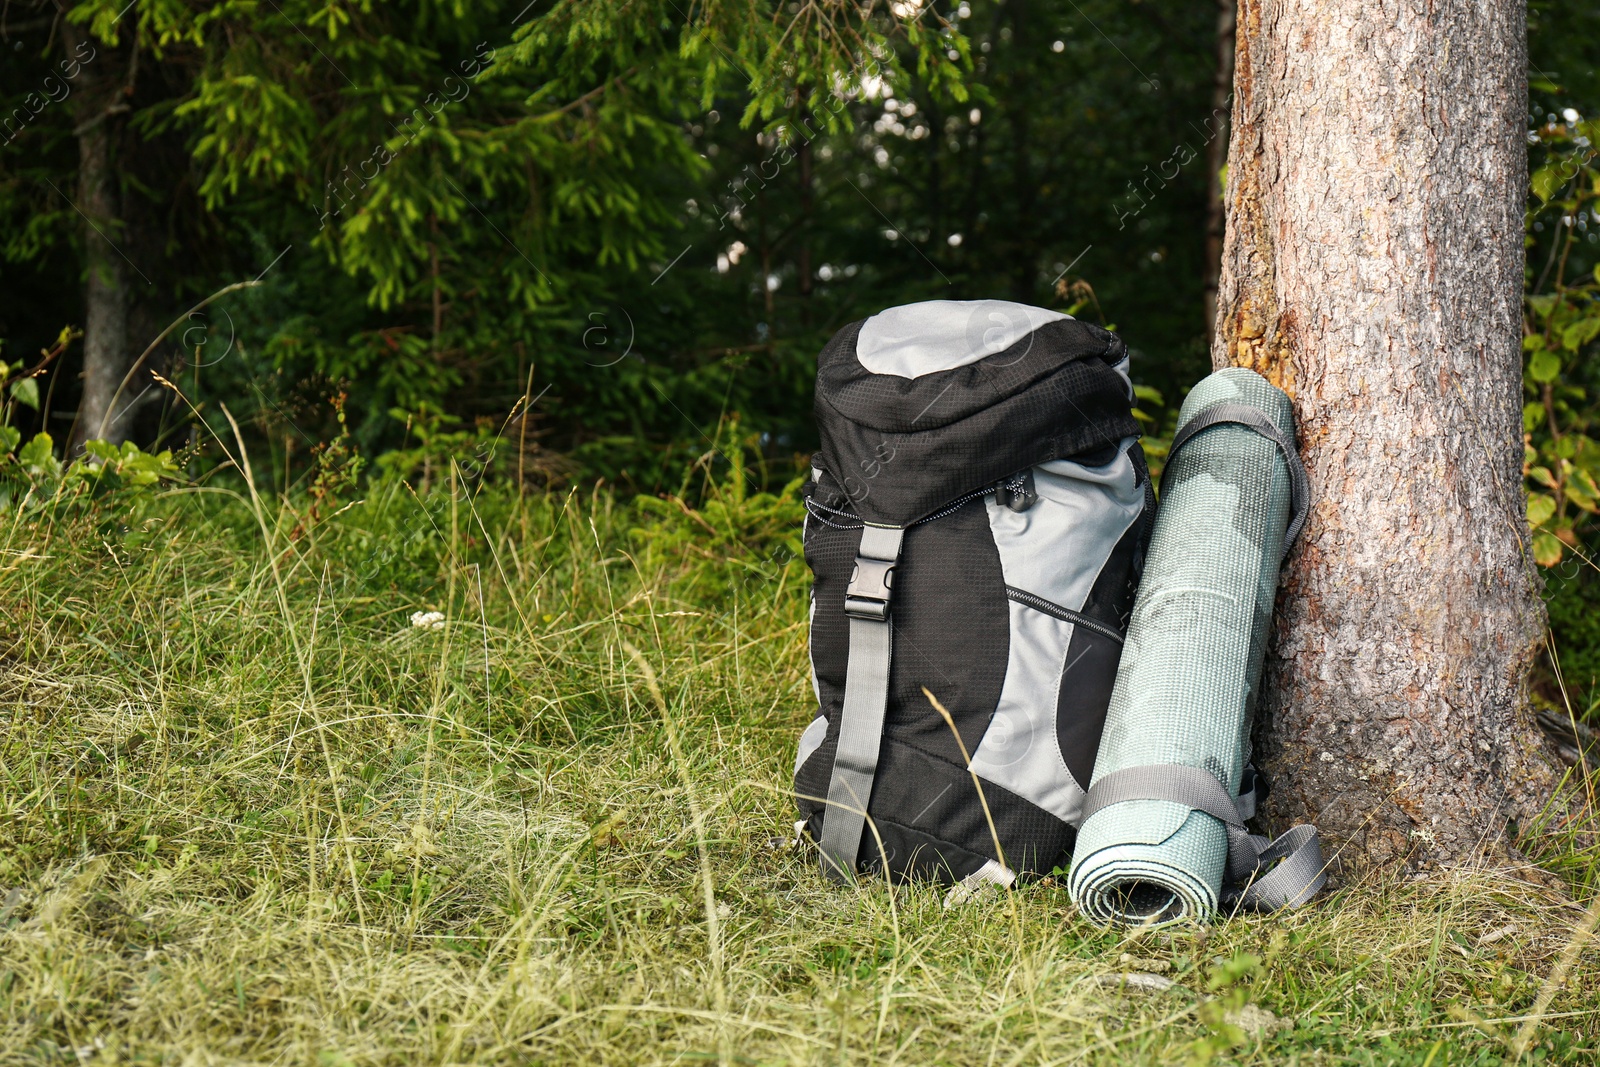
(866, 697)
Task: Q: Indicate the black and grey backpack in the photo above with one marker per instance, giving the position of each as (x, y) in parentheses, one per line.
(977, 521)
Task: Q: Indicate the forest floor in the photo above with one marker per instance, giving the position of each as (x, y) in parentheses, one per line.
(254, 808)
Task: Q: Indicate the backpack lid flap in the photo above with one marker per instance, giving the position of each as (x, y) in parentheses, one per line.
(1015, 387)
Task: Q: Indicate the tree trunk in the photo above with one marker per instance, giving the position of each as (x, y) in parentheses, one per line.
(804, 264)
(1024, 189)
(1373, 270)
(1216, 154)
(106, 299)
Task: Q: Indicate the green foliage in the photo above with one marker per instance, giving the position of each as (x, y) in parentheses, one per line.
(1157, 424)
(20, 388)
(1572, 591)
(1561, 323)
(647, 216)
(1223, 1013)
(31, 475)
(744, 537)
(438, 447)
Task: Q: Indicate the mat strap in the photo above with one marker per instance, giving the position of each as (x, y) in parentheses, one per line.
(1262, 874)
(1227, 411)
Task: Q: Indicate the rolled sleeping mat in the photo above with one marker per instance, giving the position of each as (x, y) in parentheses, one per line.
(1163, 837)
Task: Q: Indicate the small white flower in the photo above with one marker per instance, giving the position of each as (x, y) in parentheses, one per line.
(428, 620)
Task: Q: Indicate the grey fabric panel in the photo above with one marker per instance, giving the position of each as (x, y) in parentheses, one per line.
(1124, 368)
(1057, 548)
(811, 661)
(937, 335)
(810, 741)
(1020, 751)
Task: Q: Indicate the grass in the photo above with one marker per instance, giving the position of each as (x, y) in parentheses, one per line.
(250, 813)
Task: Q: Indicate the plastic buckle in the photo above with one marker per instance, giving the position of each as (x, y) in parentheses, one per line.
(867, 596)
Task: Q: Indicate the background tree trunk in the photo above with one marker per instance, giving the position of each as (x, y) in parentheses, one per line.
(106, 299)
(1373, 269)
(1216, 155)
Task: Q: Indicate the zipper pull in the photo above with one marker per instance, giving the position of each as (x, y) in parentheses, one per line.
(1017, 492)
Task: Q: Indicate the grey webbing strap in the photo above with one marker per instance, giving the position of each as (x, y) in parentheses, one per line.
(1189, 786)
(866, 696)
(1245, 415)
(1299, 873)
(1164, 781)
(1252, 791)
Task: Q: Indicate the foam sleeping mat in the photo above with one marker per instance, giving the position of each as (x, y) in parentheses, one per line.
(1186, 688)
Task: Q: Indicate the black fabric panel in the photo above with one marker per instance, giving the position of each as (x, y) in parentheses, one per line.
(1084, 698)
(952, 633)
(951, 624)
(811, 780)
(1099, 457)
(1147, 522)
(928, 813)
(916, 856)
(831, 554)
(901, 448)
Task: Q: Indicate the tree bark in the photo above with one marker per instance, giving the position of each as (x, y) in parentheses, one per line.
(804, 255)
(106, 298)
(1024, 189)
(1373, 269)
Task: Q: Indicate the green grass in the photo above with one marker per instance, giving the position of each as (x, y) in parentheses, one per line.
(250, 814)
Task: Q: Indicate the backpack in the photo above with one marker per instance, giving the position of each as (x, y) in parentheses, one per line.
(976, 525)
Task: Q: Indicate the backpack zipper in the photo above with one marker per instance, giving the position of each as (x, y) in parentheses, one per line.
(816, 507)
(1051, 608)
(955, 505)
(951, 508)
